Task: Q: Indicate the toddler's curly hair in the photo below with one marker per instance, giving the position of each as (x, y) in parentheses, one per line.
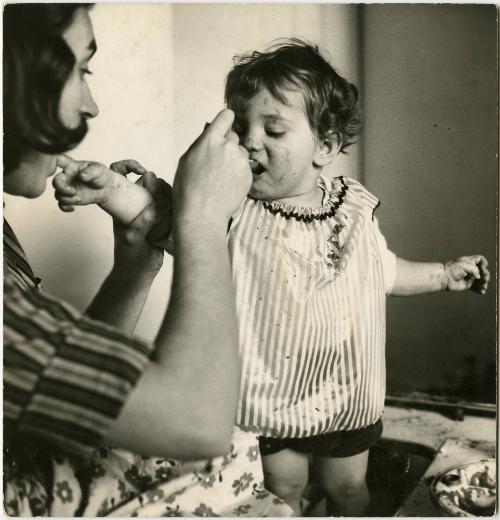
(331, 101)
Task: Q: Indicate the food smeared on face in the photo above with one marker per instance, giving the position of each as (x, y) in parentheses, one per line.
(281, 146)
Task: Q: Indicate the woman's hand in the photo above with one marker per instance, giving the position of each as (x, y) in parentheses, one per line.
(213, 176)
(134, 249)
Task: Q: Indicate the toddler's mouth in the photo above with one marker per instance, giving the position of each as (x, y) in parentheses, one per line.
(256, 167)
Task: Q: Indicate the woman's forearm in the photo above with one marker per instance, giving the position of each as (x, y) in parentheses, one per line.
(121, 299)
(196, 357)
(184, 405)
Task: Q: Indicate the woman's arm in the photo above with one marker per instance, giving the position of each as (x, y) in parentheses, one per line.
(121, 298)
(184, 405)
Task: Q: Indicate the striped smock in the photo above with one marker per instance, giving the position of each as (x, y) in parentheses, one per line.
(310, 289)
(66, 377)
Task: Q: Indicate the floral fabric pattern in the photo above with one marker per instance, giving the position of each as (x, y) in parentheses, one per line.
(123, 484)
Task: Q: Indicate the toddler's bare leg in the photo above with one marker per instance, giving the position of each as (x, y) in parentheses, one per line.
(344, 482)
(285, 474)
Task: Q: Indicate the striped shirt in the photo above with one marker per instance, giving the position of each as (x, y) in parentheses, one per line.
(66, 376)
(310, 290)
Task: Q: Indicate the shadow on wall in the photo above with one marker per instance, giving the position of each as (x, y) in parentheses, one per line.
(430, 94)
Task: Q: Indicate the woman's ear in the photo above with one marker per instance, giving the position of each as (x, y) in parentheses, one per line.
(327, 148)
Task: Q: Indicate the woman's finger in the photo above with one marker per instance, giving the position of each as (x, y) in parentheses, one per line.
(233, 137)
(159, 189)
(221, 124)
(161, 230)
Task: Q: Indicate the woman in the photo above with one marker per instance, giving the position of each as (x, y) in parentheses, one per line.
(73, 382)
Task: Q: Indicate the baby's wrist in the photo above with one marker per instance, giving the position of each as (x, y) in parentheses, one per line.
(124, 200)
(111, 192)
(444, 276)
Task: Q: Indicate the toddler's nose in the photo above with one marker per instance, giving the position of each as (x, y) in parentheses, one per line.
(251, 142)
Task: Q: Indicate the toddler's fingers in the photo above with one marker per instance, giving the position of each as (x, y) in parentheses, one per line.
(66, 208)
(61, 184)
(68, 201)
(128, 166)
(482, 283)
(70, 167)
(480, 286)
(469, 265)
(481, 261)
(94, 175)
(485, 275)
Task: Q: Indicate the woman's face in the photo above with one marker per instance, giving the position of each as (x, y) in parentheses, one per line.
(30, 179)
(76, 98)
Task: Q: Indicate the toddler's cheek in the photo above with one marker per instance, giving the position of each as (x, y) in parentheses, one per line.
(281, 157)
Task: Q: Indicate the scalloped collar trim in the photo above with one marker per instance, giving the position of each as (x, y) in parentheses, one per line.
(327, 210)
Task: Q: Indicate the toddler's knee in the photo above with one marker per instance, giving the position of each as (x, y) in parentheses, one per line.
(286, 489)
(344, 489)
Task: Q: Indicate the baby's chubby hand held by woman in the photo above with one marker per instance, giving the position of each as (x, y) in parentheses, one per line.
(88, 182)
(82, 183)
(466, 272)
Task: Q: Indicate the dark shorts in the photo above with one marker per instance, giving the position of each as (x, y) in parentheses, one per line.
(334, 444)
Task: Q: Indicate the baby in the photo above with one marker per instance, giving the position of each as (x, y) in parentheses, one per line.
(311, 271)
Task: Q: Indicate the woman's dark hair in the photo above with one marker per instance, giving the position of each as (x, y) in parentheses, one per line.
(37, 62)
(331, 102)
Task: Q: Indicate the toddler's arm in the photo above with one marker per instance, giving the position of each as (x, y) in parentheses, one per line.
(466, 272)
(84, 182)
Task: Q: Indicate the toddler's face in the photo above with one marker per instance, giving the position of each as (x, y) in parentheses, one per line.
(282, 148)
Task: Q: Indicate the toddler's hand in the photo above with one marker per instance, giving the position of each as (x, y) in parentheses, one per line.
(81, 183)
(467, 272)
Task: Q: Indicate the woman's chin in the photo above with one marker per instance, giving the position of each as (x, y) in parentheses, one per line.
(30, 178)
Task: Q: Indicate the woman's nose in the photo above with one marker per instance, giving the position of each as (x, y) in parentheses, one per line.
(89, 106)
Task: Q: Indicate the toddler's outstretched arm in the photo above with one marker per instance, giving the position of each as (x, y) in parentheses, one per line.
(86, 182)
(466, 272)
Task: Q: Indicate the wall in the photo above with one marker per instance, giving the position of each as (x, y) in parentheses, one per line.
(430, 84)
(158, 77)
